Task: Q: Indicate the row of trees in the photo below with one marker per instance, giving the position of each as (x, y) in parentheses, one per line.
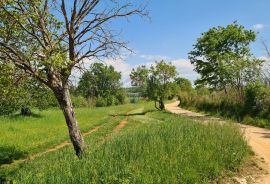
(100, 85)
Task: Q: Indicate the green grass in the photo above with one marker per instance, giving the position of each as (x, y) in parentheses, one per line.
(154, 148)
(22, 136)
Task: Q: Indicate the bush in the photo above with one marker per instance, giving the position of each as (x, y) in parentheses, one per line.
(79, 101)
(101, 102)
(257, 98)
(248, 120)
(134, 100)
(111, 100)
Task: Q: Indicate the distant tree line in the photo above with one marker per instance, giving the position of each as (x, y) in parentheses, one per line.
(99, 86)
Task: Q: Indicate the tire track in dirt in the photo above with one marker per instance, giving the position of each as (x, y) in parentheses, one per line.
(121, 125)
(257, 138)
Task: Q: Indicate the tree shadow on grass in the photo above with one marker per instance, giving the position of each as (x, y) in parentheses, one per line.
(19, 116)
(134, 114)
(10, 153)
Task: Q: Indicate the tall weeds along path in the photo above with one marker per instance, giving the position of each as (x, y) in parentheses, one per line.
(258, 138)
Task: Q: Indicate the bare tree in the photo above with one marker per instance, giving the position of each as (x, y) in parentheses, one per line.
(49, 38)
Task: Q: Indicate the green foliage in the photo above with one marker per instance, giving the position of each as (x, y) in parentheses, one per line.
(257, 98)
(155, 148)
(157, 80)
(139, 78)
(184, 84)
(79, 101)
(222, 57)
(254, 109)
(102, 83)
(18, 90)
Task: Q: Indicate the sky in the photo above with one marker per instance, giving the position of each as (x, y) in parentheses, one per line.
(176, 24)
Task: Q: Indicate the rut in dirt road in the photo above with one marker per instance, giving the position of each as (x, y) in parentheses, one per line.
(258, 138)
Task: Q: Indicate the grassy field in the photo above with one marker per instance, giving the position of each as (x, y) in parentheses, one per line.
(156, 147)
(21, 136)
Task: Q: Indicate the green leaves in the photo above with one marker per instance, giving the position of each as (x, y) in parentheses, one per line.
(102, 83)
(157, 80)
(222, 56)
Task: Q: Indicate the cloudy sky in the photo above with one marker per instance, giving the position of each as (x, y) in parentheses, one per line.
(176, 24)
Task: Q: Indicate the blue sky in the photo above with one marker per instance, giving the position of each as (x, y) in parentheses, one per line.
(176, 24)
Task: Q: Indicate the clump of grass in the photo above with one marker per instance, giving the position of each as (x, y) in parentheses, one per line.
(165, 148)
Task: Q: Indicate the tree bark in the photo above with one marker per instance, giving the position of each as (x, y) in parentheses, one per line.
(161, 104)
(76, 137)
(25, 111)
(156, 105)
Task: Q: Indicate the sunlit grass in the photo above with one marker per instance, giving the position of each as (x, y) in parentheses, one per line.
(154, 148)
(21, 136)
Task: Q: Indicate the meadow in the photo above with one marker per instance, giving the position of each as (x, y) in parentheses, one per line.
(154, 147)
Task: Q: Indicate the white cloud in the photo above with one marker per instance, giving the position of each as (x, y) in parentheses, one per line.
(257, 27)
(185, 69)
(265, 58)
(122, 66)
(154, 57)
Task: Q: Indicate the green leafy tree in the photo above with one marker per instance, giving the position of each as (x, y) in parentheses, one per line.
(102, 82)
(159, 81)
(184, 84)
(48, 38)
(185, 88)
(223, 59)
(139, 77)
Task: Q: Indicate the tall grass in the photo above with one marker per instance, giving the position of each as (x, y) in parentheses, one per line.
(155, 148)
(228, 106)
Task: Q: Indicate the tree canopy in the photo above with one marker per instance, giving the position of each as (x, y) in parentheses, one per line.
(158, 80)
(102, 82)
(223, 58)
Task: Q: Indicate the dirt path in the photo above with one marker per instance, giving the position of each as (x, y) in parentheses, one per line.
(120, 125)
(258, 138)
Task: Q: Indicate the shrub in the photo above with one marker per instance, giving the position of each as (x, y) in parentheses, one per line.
(101, 102)
(79, 101)
(134, 100)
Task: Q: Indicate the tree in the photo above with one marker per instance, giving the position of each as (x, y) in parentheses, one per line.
(48, 38)
(101, 81)
(159, 84)
(185, 88)
(139, 77)
(222, 57)
(184, 84)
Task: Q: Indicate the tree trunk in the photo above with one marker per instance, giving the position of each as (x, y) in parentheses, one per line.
(25, 111)
(161, 104)
(76, 137)
(156, 105)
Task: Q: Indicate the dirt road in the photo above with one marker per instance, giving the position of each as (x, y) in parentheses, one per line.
(258, 138)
